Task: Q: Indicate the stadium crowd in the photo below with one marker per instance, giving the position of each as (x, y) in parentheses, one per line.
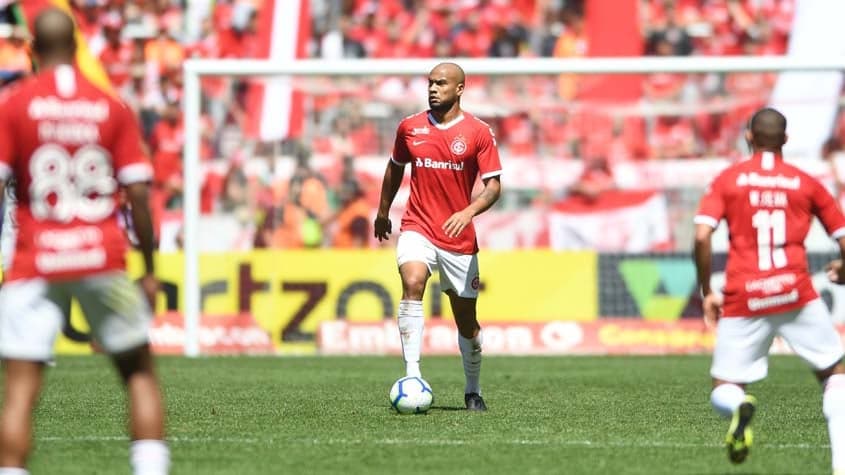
(142, 45)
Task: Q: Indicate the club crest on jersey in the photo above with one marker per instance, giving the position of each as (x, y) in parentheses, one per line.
(459, 145)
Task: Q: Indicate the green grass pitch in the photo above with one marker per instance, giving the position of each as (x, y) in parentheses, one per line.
(572, 415)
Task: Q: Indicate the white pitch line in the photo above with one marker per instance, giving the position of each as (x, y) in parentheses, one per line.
(647, 444)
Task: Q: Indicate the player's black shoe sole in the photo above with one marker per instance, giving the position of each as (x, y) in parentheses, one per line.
(474, 402)
(740, 437)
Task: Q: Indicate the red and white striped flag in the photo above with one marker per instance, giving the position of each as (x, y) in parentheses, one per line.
(274, 108)
(616, 221)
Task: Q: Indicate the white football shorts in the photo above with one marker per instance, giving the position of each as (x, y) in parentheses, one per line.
(457, 271)
(33, 311)
(743, 343)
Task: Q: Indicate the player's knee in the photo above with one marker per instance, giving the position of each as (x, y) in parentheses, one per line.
(413, 287)
(824, 374)
(468, 327)
(132, 362)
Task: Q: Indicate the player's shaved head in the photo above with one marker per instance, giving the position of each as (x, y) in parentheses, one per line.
(450, 70)
(445, 86)
(768, 129)
(54, 39)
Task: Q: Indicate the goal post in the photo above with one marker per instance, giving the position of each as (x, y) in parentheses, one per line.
(194, 69)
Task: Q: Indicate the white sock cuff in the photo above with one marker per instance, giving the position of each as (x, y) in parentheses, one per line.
(149, 445)
(149, 456)
(725, 398)
(833, 400)
(13, 471)
(834, 382)
(410, 308)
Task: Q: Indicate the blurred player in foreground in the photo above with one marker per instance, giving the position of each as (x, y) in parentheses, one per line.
(769, 206)
(447, 149)
(68, 145)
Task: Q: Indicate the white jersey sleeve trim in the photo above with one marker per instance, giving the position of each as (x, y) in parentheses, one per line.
(704, 219)
(397, 163)
(491, 174)
(134, 173)
(5, 171)
(838, 233)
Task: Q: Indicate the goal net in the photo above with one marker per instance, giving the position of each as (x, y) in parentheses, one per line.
(606, 158)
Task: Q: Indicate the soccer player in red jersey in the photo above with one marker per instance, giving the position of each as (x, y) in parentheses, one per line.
(768, 206)
(448, 149)
(69, 146)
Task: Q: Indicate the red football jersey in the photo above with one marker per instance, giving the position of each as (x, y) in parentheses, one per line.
(166, 143)
(68, 144)
(445, 161)
(769, 206)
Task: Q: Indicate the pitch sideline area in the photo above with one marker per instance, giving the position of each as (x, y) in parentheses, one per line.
(232, 415)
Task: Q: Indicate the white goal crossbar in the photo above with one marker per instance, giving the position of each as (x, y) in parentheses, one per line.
(193, 69)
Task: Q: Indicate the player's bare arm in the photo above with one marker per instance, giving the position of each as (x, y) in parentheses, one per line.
(835, 269)
(389, 187)
(138, 196)
(488, 196)
(711, 303)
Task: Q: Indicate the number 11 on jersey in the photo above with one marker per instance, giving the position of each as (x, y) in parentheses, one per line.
(771, 236)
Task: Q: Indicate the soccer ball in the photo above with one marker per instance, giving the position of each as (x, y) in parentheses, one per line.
(411, 395)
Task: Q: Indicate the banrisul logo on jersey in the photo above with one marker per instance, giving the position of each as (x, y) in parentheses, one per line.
(438, 165)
